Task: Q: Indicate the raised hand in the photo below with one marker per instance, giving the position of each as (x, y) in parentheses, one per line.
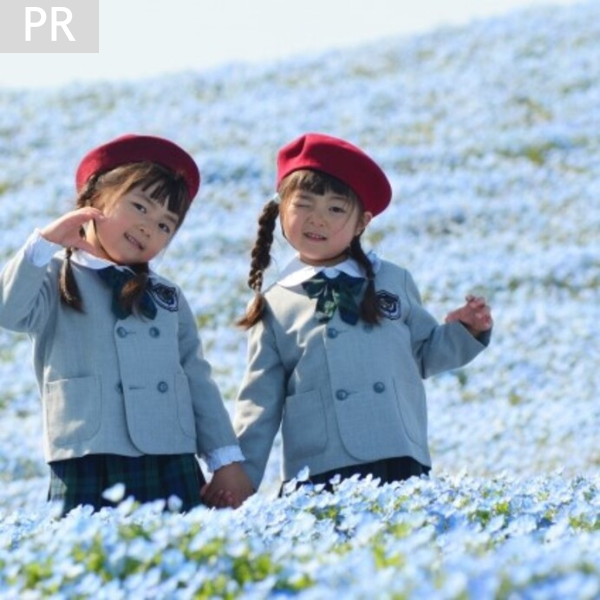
(66, 230)
(475, 315)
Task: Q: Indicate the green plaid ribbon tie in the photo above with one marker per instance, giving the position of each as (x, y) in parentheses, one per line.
(116, 280)
(341, 292)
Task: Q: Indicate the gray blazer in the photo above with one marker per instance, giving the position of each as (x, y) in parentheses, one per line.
(343, 394)
(127, 387)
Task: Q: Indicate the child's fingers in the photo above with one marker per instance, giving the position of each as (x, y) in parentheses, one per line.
(65, 230)
(479, 305)
(81, 216)
(220, 499)
(485, 311)
(217, 496)
(83, 244)
(89, 212)
(475, 300)
(454, 315)
(227, 500)
(209, 494)
(484, 317)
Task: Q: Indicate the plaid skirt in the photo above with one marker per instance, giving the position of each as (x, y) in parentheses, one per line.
(386, 470)
(79, 481)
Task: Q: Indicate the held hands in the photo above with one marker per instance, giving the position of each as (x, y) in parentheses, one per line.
(66, 230)
(229, 487)
(475, 315)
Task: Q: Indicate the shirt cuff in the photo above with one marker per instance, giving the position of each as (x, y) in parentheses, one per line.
(38, 250)
(222, 457)
(485, 337)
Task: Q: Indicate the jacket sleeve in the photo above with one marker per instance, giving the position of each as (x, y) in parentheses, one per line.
(213, 424)
(27, 295)
(259, 406)
(438, 347)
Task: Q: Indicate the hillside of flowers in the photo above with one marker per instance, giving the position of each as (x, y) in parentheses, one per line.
(490, 134)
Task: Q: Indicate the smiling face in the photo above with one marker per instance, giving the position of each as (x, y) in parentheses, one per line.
(136, 228)
(321, 226)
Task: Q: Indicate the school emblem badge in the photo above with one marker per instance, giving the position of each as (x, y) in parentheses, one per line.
(165, 296)
(388, 304)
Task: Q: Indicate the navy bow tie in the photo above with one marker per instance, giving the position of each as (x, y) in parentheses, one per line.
(339, 293)
(116, 279)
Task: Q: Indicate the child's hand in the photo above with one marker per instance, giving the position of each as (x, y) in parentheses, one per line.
(229, 487)
(66, 230)
(475, 315)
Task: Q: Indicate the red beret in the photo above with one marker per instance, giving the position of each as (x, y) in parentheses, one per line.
(342, 160)
(132, 148)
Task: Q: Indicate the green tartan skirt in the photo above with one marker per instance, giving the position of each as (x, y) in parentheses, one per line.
(82, 481)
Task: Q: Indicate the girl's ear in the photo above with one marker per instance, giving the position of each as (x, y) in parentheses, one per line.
(363, 221)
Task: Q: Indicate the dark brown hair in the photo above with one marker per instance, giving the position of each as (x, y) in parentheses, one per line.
(315, 182)
(103, 190)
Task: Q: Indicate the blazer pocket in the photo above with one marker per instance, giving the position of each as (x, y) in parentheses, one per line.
(413, 410)
(73, 408)
(185, 409)
(304, 429)
(369, 422)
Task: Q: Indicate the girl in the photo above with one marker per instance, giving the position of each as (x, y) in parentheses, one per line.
(126, 392)
(339, 345)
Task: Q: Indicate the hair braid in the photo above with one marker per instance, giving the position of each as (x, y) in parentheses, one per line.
(260, 261)
(369, 311)
(67, 284)
(133, 290)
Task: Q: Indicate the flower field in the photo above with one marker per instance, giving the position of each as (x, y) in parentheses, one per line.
(490, 134)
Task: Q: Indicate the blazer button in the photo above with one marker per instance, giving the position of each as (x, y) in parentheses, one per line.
(379, 387)
(121, 332)
(332, 333)
(162, 387)
(154, 332)
(119, 387)
(341, 394)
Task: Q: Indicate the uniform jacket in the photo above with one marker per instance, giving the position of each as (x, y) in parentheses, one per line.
(127, 387)
(343, 394)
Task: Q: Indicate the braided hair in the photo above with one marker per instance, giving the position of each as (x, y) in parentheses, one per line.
(315, 182)
(260, 261)
(369, 308)
(168, 189)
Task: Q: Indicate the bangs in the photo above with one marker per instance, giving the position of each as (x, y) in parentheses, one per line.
(315, 182)
(168, 191)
